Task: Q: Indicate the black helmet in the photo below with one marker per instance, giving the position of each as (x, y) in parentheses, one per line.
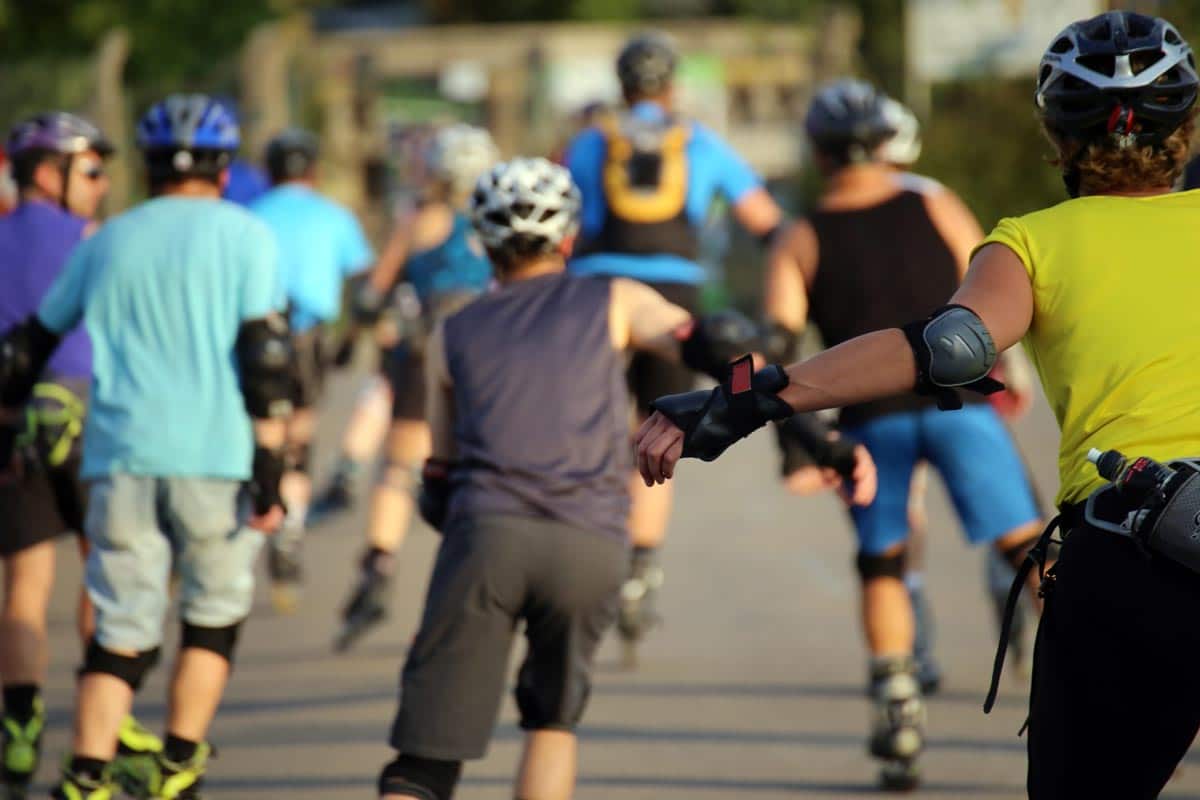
(291, 154)
(849, 119)
(646, 64)
(1119, 73)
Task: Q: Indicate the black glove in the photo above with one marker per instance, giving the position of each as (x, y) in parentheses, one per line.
(740, 405)
(265, 477)
(368, 303)
(805, 439)
(434, 499)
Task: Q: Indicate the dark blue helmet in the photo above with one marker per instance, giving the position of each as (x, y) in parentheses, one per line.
(188, 122)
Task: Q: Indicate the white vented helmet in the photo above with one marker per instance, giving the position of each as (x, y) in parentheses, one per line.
(460, 153)
(904, 148)
(525, 201)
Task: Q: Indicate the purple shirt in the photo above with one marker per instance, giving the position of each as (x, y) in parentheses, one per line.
(35, 241)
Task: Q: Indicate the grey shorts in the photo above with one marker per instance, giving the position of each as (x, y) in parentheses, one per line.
(491, 572)
(138, 527)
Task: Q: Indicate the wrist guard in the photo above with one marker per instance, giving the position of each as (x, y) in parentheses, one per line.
(740, 405)
(716, 340)
(434, 500)
(266, 474)
(781, 344)
(804, 439)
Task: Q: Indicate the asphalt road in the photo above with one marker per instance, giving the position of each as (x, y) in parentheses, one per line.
(752, 688)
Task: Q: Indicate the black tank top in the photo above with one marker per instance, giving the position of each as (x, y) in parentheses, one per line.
(879, 267)
(540, 405)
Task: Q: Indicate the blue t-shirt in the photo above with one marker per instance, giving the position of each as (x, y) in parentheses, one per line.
(713, 169)
(320, 243)
(163, 290)
(458, 264)
(35, 241)
(246, 183)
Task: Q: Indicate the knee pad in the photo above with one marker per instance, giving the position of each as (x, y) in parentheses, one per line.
(399, 475)
(427, 778)
(298, 456)
(882, 566)
(221, 641)
(131, 669)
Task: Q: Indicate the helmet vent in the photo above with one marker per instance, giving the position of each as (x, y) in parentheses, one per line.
(1063, 45)
(1172, 37)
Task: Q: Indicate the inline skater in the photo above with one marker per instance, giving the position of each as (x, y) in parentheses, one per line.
(58, 167)
(179, 296)
(528, 481)
(437, 252)
(320, 245)
(648, 177)
(1114, 663)
(825, 267)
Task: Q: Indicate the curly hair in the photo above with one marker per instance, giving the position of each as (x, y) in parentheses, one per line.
(1106, 166)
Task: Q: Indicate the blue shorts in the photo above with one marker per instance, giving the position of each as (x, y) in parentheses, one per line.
(978, 462)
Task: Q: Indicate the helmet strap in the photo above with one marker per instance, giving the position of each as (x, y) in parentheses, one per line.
(67, 168)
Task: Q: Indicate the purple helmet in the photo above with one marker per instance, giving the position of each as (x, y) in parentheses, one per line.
(57, 132)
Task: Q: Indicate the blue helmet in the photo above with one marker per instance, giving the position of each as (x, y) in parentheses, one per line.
(188, 122)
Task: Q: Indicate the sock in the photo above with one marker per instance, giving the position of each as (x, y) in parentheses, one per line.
(87, 767)
(178, 749)
(19, 699)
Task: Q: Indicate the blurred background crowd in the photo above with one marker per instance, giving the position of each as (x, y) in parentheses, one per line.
(375, 77)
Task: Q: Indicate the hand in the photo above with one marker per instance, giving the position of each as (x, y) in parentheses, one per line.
(806, 481)
(861, 491)
(267, 523)
(659, 447)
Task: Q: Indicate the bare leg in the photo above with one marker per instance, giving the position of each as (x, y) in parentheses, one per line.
(196, 690)
(28, 580)
(548, 765)
(887, 616)
(104, 700)
(368, 422)
(392, 502)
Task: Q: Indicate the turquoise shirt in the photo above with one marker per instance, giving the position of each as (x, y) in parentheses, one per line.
(320, 244)
(162, 290)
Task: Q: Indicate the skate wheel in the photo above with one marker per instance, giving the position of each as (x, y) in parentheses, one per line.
(285, 598)
(900, 776)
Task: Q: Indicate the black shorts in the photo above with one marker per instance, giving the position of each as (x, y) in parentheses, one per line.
(309, 367)
(1115, 678)
(491, 571)
(44, 505)
(651, 377)
(404, 368)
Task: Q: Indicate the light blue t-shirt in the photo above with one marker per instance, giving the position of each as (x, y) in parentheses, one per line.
(713, 169)
(163, 290)
(320, 244)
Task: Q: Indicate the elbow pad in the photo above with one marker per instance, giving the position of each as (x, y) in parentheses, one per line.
(267, 364)
(711, 421)
(953, 350)
(717, 339)
(24, 351)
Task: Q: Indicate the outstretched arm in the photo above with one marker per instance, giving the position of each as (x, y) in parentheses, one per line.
(875, 365)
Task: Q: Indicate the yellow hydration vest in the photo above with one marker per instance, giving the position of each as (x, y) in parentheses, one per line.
(1116, 325)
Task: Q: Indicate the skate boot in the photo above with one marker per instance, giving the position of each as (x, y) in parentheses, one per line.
(173, 780)
(929, 673)
(137, 749)
(898, 732)
(637, 613)
(1000, 576)
(20, 748)
(368, 605)
(285, 566)
(337, 498)
(84, 787)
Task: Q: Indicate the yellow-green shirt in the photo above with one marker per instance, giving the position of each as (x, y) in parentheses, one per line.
(1116, 325)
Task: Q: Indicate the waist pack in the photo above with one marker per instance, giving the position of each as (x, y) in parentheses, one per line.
(1166, 520)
